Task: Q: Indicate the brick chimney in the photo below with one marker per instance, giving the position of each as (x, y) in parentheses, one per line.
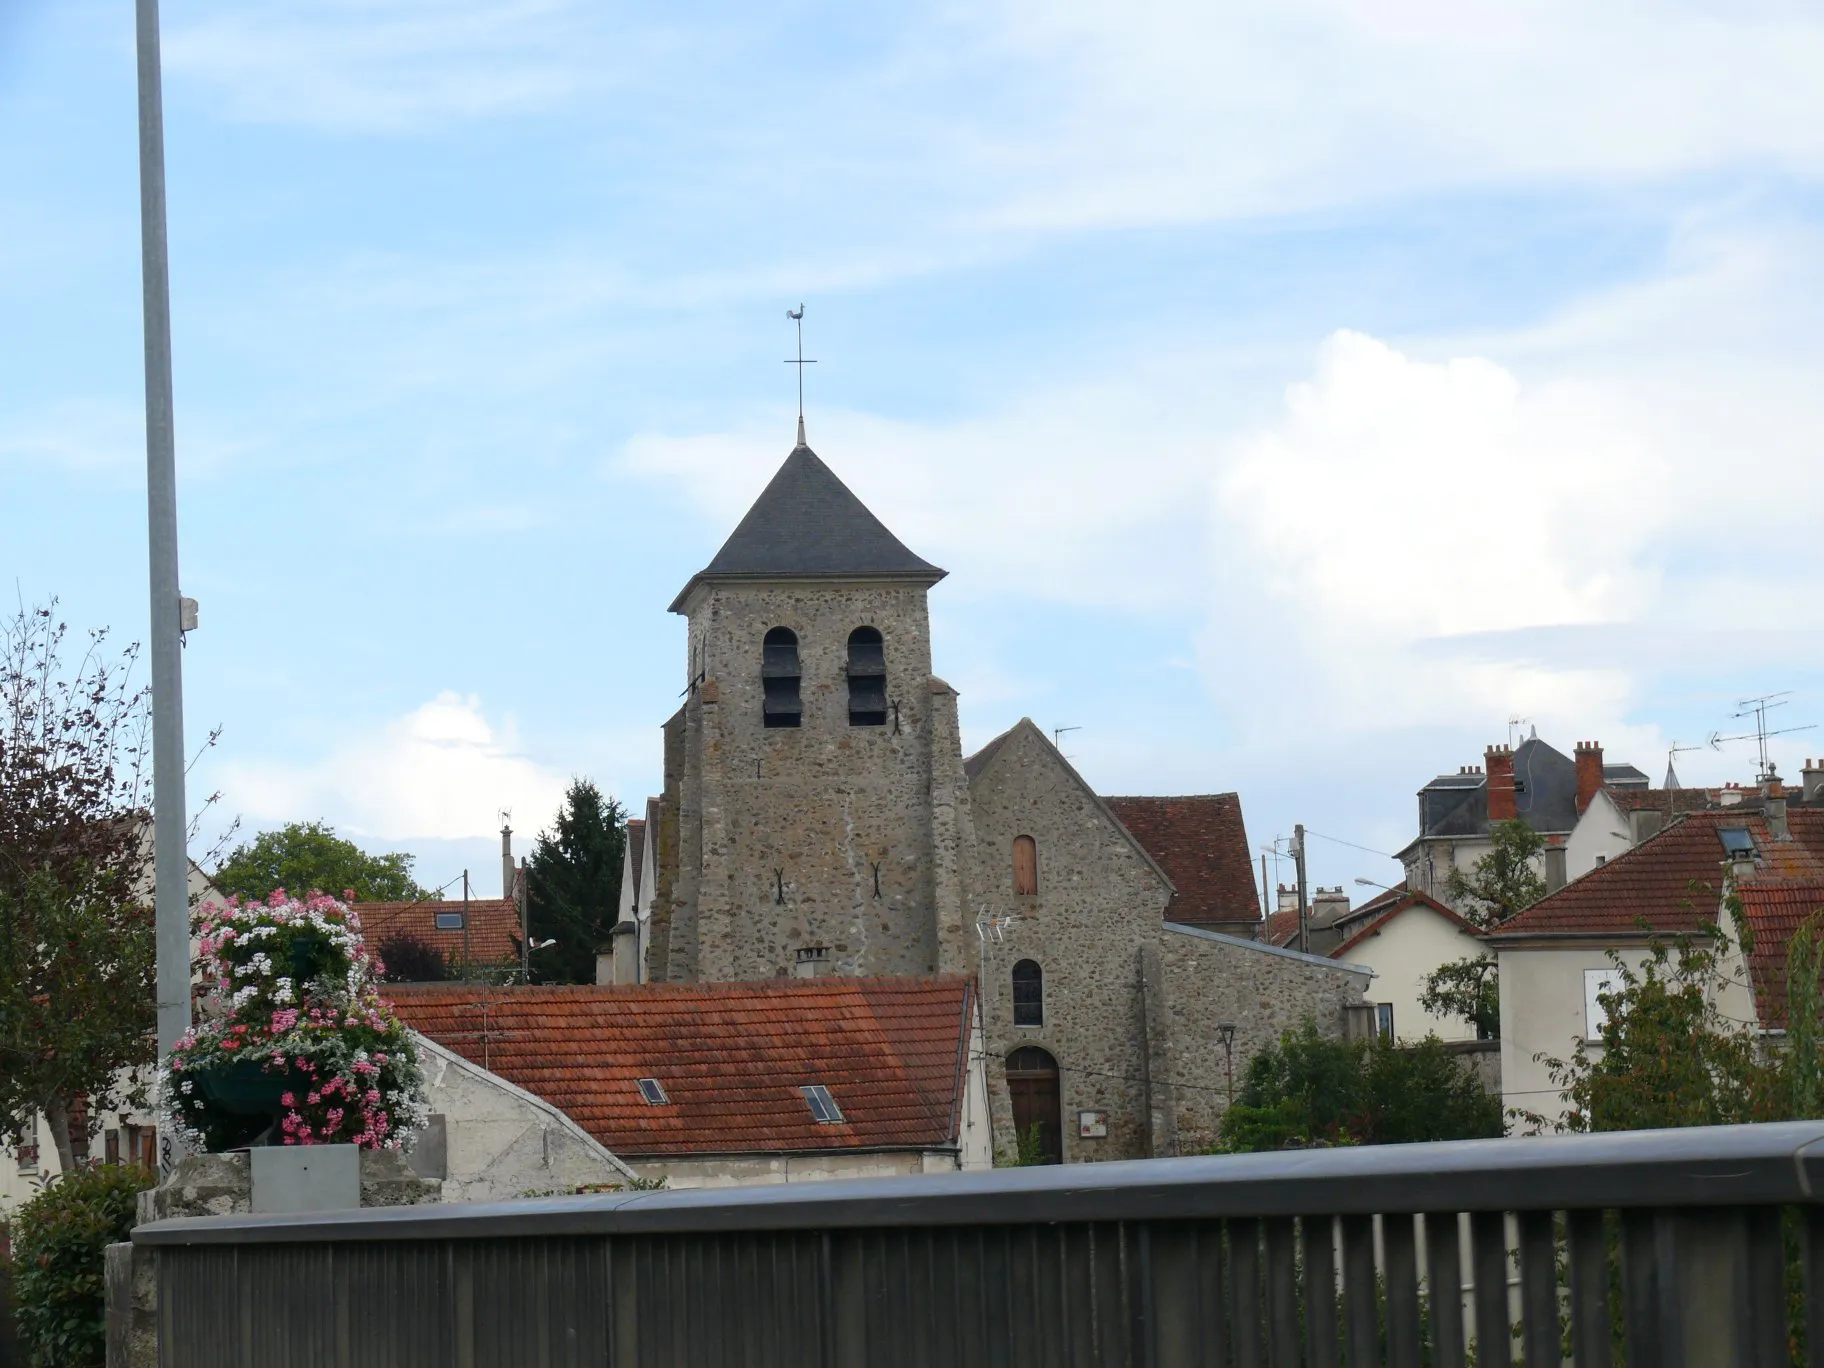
(1500, 763)
(1589, 772)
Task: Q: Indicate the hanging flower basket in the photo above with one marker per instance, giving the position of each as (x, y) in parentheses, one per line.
(294, 1047)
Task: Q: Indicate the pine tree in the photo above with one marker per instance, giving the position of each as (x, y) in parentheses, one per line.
(574, 883)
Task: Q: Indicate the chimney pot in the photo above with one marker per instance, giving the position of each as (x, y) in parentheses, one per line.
(1589, 773)
(1501, 803)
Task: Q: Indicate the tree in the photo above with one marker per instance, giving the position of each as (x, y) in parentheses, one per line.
(574, 883)
(308, 857)
(1312, 1089)
(1668, 1055)
(1503, 883)
(1468, 989)
(77, 949)
(408, 959)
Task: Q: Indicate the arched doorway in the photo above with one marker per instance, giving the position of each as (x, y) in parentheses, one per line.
(1032, 1082)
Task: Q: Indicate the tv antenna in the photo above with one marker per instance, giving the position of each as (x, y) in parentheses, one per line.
(1513, 726)
(1057, 737)
(1758, 708)
(1673, 751)
(797, 316)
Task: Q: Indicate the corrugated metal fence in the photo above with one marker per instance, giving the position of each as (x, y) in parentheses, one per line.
(1682, 1249)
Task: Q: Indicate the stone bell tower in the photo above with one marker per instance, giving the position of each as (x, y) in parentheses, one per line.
(815, 767)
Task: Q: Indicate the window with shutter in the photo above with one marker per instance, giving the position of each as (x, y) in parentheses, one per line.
(1025, 865)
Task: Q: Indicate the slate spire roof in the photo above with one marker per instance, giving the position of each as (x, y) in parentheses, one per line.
(807, 524)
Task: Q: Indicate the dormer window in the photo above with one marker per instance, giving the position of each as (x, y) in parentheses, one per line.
(779, 675)
(867, 678)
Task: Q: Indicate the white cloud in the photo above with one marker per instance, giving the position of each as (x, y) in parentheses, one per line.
(385, 64)
(442, 771)
(1178, 110)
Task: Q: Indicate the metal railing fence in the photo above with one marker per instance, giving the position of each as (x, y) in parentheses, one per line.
(1667, 1249)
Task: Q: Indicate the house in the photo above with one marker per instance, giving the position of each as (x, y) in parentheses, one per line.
(712, 1085)
(1533, 782)
(1555, 957)
(1400, 936)
(1404, 936)
(476, 933)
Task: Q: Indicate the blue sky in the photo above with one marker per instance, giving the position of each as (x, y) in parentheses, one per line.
(1296, 395)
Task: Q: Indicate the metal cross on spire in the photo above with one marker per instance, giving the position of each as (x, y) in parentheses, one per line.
(797, 316)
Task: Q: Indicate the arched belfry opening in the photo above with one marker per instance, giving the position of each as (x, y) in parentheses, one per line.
(780, 675)
(867, 673)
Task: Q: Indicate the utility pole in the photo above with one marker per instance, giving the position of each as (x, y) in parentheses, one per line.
(170, 860)
(1304, 919)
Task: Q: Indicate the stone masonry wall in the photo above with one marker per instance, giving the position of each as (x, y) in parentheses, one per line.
(1132, 1004)
(1211, 978)
(818, 835)
(1097, 897)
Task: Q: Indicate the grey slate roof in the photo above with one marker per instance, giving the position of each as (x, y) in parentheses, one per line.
(807, 524)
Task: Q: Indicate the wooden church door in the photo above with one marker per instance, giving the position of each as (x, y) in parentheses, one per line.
(1032, 1083)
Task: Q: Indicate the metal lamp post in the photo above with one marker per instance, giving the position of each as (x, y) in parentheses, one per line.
(171, 864)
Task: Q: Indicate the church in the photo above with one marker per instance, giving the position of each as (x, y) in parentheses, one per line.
(819, 817)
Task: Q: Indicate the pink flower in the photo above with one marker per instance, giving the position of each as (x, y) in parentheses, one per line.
(288, 1099)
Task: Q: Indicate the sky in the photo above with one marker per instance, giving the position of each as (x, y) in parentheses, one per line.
(1301, 397)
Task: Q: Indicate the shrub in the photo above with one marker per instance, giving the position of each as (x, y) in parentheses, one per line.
(405, 958)
(1312, 1089)
(58, 1242)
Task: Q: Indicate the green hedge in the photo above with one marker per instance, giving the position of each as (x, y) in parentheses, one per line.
(59, 1286)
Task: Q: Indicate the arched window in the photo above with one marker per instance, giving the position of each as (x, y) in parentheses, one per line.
(1025, 865)
(867, 678)
(779, 674)
(1028, 994)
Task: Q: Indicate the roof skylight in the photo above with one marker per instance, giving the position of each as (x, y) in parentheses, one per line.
(1738, 844)
(651, 1090)
(822, 1105)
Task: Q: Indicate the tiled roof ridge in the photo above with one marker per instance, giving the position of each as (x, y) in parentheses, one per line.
(1413, 898)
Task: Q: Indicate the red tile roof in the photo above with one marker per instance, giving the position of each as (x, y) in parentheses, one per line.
(1673, 880)
(1659, 800)
(1774, 910)
(1201, 844)
(730, 1056)
(1281, 928)
(1400, 901)
(493, 927)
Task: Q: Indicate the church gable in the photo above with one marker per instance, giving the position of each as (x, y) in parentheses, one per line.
(1021, 778)
(1022, 774)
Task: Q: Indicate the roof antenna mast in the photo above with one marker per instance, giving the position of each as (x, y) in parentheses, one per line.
(797, 316)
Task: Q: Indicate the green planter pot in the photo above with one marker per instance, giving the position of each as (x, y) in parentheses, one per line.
(244, 1089)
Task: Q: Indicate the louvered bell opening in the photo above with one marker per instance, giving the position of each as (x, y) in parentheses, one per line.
(782, 707)
(868, 701)
(778, 662)
(867, 655)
